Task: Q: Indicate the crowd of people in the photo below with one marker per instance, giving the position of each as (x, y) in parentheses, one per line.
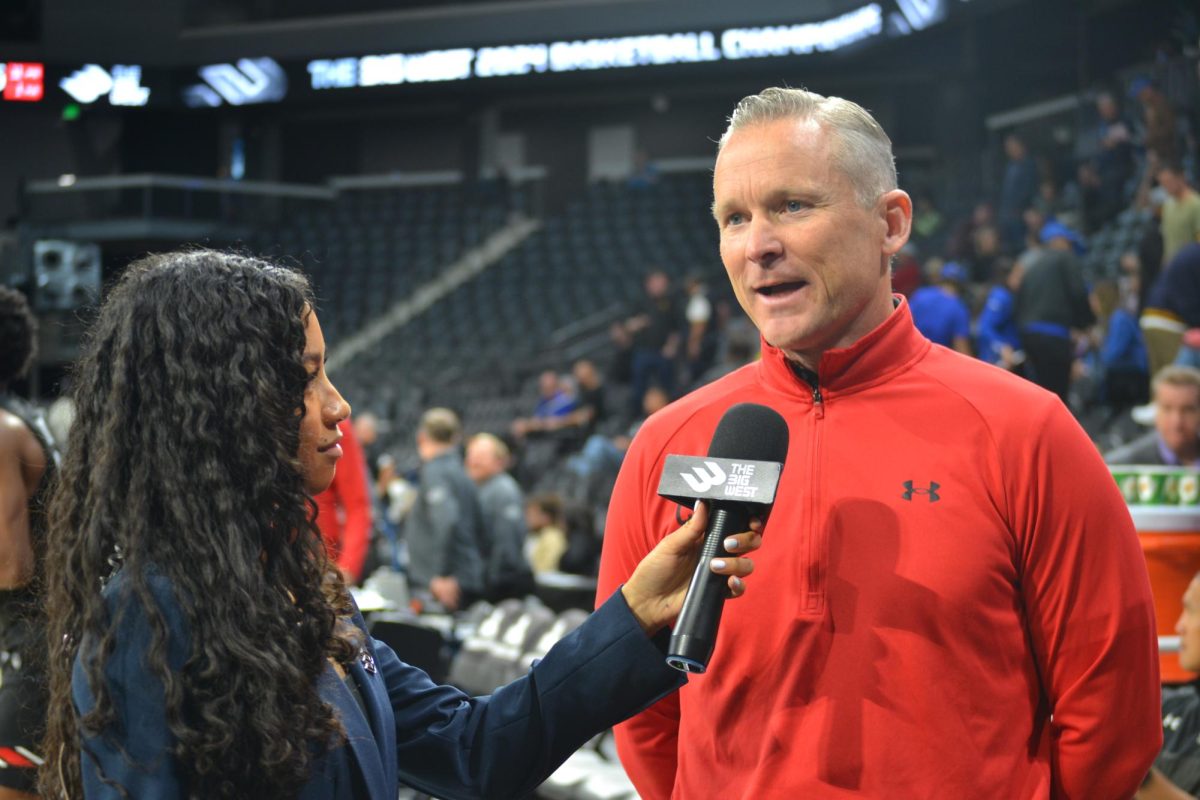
(1008, 282)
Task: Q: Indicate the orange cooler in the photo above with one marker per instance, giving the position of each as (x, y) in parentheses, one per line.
(1170, 537)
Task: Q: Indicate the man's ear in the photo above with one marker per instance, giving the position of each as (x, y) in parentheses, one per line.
(896, 208)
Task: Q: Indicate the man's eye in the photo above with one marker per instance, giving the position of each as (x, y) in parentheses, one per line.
(734, 219)
(794, 206)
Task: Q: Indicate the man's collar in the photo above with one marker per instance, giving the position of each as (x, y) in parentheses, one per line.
(1169, 457)
(893, 346)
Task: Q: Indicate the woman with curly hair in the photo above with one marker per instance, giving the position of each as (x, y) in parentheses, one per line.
(202, 644)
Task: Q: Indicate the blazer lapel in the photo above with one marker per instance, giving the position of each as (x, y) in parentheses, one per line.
(379, 710)
(359, 739)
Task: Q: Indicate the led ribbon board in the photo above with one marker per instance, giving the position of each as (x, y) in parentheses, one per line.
(595, 54)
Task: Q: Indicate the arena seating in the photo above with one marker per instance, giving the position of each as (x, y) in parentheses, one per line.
(477, 349)
(370, 247)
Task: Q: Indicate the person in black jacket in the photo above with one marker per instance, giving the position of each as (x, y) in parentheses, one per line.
(1052, 302)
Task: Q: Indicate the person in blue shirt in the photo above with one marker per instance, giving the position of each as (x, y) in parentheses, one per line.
(997, 336)
(204, 646)
(1122, 353)
(939, 311)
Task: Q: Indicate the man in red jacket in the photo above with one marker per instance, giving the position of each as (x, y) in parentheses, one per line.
(950, 599)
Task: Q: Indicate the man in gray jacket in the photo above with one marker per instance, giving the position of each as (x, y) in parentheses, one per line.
(506, 573)
(1052, 303)
(444, 530)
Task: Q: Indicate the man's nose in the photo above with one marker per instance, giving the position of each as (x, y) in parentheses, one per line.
(763, 246)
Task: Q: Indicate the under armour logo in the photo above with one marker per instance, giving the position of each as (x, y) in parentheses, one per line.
(931, 492)
(703, 481)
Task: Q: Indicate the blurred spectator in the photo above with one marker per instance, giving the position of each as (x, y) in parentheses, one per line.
(1114, 158)
(1017, 191)
(1180, 211)
(1150, 247)
(1176, 772)
(1172, 306)
(1174, 440)
(1122, 358)
(444, 529)
(590, 404)
(582, 556)
(546, 541)
(344, 509)
(1179, 76)
(29, 461)
(1035, 219)
(927, 224)
(601, 454)
(1098, 207)
(960, 246)
(939, 311)
(986, 250)
(1051, 302)
(653, 336)
(554, 405)
(1161, 134)
(701, 327)
(644, 173)
(366, 430)
(506, 573)
(999, 340)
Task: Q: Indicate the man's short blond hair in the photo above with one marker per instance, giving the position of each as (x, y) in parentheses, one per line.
(441, 425)
(499, 448)
(861, 148)
(1177, 375)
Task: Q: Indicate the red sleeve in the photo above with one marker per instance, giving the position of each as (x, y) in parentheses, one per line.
(354, 494)
(647, 742)
(1089, 611)
(327, 518)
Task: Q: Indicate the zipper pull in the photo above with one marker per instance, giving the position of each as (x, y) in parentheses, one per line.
(817, 395)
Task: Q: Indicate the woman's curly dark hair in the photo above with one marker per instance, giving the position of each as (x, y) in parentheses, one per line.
(183, 458)
(18, 332)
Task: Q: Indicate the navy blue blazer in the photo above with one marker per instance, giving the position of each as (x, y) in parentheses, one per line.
(433, 738)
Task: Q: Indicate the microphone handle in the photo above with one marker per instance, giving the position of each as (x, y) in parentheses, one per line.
(695, 632)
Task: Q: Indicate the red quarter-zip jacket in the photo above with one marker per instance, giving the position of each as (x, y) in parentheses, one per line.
(950, 600)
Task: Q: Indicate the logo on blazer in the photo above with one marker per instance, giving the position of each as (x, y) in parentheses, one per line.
(930, 491)
(706, 477)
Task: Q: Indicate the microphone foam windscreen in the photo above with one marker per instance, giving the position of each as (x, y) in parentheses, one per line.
(752, 432)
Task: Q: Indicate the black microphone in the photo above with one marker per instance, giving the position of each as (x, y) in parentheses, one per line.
(738, 478)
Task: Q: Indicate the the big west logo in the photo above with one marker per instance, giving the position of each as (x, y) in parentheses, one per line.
(705, 477)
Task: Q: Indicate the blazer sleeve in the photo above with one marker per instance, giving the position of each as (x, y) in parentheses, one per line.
(136, 755)
(648, 743)
(1089, 612)
(458, 747)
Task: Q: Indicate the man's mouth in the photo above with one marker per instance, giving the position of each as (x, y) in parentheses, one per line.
(777, 289)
